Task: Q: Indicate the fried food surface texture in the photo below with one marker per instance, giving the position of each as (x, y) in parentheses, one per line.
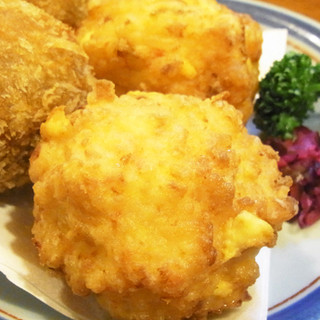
(191, 47)
(156, 203)
(71, 12)
(41, 66)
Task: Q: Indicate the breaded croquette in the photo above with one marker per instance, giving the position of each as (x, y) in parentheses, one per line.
(193, 47)
(71, 12)
(41, 66)
(156, 203)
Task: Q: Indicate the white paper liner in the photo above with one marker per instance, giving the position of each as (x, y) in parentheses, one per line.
(274, 47)
(19, 261)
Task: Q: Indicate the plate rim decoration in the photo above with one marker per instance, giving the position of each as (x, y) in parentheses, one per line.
(304, 35)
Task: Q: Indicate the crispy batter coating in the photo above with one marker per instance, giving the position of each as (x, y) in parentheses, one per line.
(157, 203)
(193, 47)
(71, 12)
(41, 66)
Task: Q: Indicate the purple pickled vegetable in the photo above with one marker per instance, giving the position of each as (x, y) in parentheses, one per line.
(300, 159)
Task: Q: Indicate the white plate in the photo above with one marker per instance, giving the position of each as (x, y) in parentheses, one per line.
(295, 262)
(294, 289)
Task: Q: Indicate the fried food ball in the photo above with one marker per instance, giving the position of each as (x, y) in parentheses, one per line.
(71, 12)
(191, 47)
(156, 203)
(41, 66)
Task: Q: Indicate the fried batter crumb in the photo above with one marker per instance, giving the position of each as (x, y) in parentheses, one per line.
(71, 12)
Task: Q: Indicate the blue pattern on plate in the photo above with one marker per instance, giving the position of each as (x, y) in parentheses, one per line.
(307, 308)
(303, 29)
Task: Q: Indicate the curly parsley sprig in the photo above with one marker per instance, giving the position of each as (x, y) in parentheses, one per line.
(287, 95)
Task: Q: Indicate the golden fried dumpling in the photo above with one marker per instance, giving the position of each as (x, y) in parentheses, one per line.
(41, 66)
(193, 47)
(156, 203)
